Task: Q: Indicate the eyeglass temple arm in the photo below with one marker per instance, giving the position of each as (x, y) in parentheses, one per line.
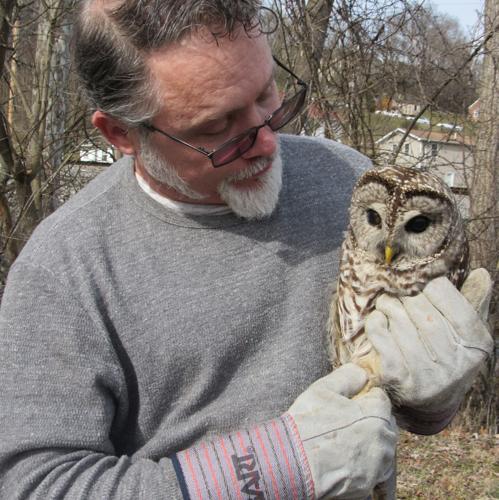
(285, 68)
(200, 149)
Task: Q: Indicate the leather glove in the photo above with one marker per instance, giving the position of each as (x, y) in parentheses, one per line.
(325, 445)
(349, 443)
(431, 346)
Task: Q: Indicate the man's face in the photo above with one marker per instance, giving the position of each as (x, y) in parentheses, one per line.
(212, 92)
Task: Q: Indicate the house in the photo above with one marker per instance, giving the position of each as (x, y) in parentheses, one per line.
(449, 126)
(403, 107)
(96, 154)
(474, 110)
(385, 103)
(448, 154)
(409, 108)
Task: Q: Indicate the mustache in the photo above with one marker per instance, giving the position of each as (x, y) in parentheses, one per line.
(255, 168)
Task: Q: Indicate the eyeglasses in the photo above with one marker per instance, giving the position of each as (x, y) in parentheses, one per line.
(240, 144)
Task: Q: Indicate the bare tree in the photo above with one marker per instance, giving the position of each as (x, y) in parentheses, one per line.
(483, 227)
(6, 153)
(356, 54)
(484, 184)
(34, 115)
(301, 40)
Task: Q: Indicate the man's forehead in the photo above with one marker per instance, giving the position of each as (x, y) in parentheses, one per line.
(201, 52)
(200, 77)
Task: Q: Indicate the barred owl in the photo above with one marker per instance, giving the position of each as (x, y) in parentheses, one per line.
(405, 229)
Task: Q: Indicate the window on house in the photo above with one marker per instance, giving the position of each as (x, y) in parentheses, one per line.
(406, 149)
(449, 178)
(434, 150)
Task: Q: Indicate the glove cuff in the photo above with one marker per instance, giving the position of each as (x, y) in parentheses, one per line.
(422, 421)
(266, 461)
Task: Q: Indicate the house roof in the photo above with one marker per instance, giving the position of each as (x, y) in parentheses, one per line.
(431, 136)
(474, 104)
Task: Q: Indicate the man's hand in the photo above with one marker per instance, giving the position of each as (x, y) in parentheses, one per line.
(349, 444)
(431, 347)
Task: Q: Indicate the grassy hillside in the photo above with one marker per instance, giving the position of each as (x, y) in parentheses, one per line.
(382, 124)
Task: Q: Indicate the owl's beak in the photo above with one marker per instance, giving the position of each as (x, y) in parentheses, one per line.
(388, 254)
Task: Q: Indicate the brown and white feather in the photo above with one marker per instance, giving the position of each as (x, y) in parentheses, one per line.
(397, 195)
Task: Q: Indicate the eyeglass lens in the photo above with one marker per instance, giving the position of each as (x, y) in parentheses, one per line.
(287, 111)
(244, 142)
(235, 148)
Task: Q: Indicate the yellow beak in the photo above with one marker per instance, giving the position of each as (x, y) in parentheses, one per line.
(388, 254)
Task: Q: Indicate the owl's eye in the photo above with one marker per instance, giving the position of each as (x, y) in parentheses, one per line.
(373, 217)
(418, 224)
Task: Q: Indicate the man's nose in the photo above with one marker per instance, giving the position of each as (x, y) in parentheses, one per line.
(265, 144)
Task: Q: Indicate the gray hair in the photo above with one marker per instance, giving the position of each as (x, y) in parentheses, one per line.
(113, 38)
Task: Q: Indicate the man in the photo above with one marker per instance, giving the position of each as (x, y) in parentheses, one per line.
(163, 332)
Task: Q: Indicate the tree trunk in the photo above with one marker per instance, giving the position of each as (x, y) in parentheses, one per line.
(313, 26)
(484, 189)
(485, 213)
(58, 111)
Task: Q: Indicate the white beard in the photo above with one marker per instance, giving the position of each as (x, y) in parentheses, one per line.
(260, 201)
(255, 203)
(162, 171)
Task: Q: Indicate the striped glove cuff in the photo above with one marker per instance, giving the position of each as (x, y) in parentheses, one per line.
(267, 461)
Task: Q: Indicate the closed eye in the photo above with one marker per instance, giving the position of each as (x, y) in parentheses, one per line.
(418, 224)
(216, 129)
(267, 95)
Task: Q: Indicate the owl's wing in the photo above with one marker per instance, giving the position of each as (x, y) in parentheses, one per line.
(459, 270)
(338, 349)
(333, 330)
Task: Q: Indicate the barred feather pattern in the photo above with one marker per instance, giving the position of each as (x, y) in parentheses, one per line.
(365, 275)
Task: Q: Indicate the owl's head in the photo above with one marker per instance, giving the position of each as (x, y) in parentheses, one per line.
(401, 215)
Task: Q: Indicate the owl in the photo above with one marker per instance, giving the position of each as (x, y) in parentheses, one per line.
(405, 230)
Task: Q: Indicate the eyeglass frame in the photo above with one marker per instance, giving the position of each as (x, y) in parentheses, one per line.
(246, 133)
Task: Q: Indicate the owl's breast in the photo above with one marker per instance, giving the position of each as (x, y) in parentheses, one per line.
(359, 285)
(363, 278)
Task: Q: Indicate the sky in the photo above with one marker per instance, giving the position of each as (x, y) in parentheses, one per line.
(463, 10)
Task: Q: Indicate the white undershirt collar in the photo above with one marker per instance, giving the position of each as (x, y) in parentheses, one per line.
(180, 207)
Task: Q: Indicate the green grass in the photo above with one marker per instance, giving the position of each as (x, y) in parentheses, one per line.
(382, 124)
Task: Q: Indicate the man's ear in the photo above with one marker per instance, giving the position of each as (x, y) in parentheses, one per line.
(116, 133)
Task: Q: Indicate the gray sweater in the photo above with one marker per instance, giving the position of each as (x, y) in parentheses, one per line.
(129, 332)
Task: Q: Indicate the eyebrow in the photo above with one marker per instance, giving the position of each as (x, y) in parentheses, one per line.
(211, 120)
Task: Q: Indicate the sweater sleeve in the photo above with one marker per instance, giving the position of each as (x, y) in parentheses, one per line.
(60, 386)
